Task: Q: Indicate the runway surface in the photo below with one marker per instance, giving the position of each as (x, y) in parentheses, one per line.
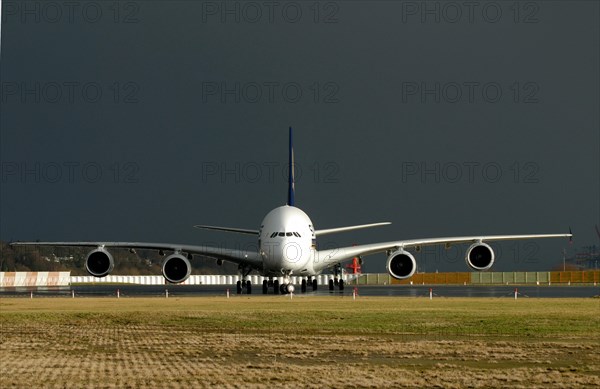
(129, 290)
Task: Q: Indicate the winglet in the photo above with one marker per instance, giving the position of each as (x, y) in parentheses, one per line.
(571, 236)
(291, 188)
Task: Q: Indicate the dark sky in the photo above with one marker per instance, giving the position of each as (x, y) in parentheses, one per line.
(137, 119)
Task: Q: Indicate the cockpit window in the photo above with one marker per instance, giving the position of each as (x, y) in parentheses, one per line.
(275, 234)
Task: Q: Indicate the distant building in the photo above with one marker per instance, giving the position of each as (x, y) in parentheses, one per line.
(587, 257)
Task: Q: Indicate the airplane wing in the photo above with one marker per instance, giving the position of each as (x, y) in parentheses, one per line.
(249, 258)
(349, 228)
(228, 229)
(326, 258)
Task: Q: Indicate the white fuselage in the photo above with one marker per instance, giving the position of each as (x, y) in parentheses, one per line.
(287, 243)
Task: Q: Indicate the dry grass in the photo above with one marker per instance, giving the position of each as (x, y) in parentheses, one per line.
(308, 342)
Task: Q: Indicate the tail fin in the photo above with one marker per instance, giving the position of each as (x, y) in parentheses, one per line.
(291, 188)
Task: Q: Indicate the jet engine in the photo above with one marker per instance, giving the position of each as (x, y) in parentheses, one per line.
(401, 264)
(480, 256)
(176, 268)
(99, 262)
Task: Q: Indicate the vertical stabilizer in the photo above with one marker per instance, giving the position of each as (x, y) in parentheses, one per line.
(291, 188)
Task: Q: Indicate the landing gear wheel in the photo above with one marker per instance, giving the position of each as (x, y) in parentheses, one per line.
(265, 287)
(239, 287)
(275, 287)
(283, 288)
(341, 284)
(249, 287)
(331, 285)
(314, 285)
(303, 287)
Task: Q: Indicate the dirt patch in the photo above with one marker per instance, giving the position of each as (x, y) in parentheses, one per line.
(163, 347)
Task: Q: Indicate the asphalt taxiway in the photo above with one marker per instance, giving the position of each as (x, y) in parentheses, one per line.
(437, 291)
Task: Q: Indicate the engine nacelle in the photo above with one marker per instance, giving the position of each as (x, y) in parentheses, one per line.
(176, 268)
(401, 265)
(480, 256)
(99, 262)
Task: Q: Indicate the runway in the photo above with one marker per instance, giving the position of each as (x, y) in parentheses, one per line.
(128, 290)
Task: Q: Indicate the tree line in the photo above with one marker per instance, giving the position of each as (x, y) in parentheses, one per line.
(141, 262)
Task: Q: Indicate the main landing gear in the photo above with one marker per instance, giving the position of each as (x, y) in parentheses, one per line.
(333, 282)
(266, 285)
(241, 285)
(286, 286)
(310, 283)
(339, 282)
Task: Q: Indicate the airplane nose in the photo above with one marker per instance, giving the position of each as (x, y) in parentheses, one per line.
(292, 252)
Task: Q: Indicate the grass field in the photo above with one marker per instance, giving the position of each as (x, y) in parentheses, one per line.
(309, 341)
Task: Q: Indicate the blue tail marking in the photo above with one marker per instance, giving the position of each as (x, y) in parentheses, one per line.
(291, 188)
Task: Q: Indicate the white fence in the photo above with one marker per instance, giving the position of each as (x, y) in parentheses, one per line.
(194, 279)
(44, 278)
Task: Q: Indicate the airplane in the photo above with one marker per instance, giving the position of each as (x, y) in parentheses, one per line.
(287, 246)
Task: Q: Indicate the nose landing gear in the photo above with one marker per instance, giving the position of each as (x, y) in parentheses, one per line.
(286, 288)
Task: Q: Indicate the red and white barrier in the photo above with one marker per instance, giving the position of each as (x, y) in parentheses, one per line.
(34, 278)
